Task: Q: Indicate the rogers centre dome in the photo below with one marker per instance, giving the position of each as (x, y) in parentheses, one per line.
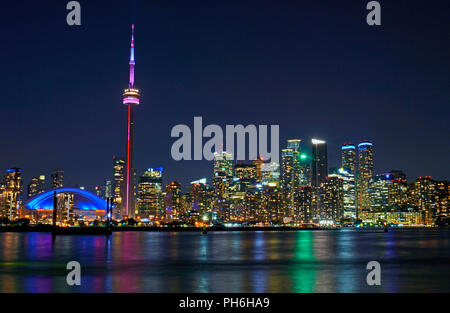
(83, 200)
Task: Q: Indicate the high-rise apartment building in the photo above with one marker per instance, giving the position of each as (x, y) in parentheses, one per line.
(118, 186)
(290, 175)
(319, 162)
(348, 152)
(33, 187)
(223, 162)
(424, 196)
(332, 199)
(349, 193)
(201, 198)
(173, 201)
(11, 195)
(57, 178)
(365, 173)
(150, 194)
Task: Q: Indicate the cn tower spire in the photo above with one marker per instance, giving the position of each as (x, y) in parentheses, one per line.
(131, 82)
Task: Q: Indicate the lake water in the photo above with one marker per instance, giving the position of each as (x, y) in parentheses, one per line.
(276, 261)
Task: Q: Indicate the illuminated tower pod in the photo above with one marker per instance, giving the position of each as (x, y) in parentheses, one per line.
(130, 99)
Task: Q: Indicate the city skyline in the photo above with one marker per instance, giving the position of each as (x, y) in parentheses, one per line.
(50, 183)
(291, 192)
(393, 106)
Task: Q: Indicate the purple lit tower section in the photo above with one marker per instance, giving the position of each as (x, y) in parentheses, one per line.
(130, 99)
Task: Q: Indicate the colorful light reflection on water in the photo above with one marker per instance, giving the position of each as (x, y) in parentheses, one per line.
(302, 261)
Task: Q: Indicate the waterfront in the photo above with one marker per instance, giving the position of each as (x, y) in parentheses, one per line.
(277, 261)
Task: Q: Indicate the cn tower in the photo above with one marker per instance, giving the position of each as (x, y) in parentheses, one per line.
(130, 99)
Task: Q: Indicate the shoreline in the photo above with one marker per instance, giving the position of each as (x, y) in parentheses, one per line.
(103, 231)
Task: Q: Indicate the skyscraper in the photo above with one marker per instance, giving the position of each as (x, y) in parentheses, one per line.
(12, 194)
(223, 161)
(41, 184)
(221, 182)
(201, 197)
(319, 162)
(349, 193)
(305, 169)
(365, 172)
(258, 164)
(150, 194)
(118, 189)
(246, 173)
(426, 197)
(108, 189)
(332, 199)
(172, 200)
(290, 175)
(220, 195)
(349, 158)
(33, 187)
(57, 178)
(130, 99)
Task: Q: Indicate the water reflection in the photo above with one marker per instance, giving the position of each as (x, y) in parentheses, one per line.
(303, 261)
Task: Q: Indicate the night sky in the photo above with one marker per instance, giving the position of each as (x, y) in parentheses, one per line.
(313, 67)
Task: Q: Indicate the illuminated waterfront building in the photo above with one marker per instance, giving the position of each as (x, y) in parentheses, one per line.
(220, 195)
(349, 158)
(263, 205)
(405, 217)
(255, 210)
(150, 194)
(424, 196)
(306, 205)
(201, 197)
(118, 186)
(349, 193)
(11, 194)
(287, 180)
(388, 192)
(365, 172)
(65, 212)
(173, 201)
(57, 178)
(290, 175)
(221, 183)
(131, 97)
(332, 199)
(443, 204)
(273, 203)
(398, 191)
(378, 192)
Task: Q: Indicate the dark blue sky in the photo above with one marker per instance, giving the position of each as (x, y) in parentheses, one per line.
(313, 67)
